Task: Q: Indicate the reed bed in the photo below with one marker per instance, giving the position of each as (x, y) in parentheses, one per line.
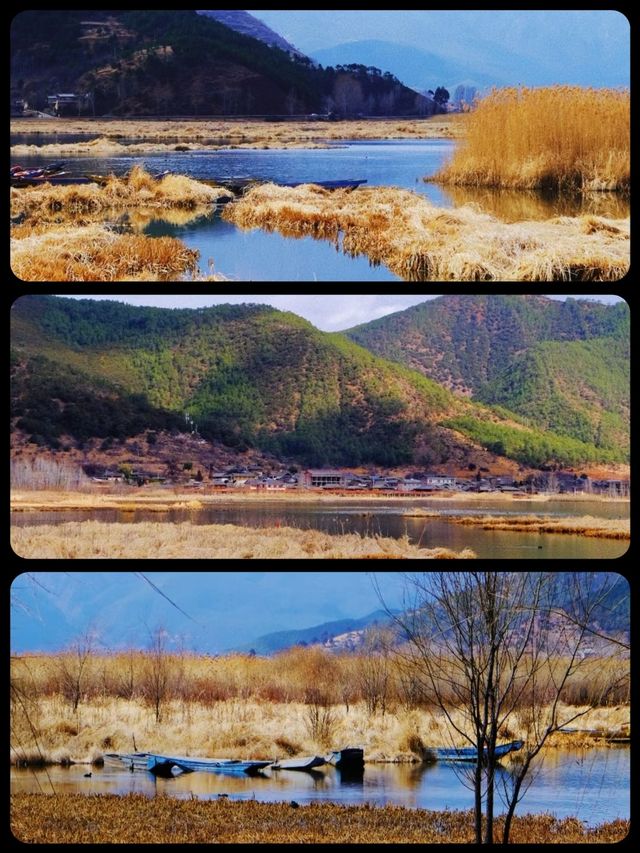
(562, 138)
(587, 525)
(263, 708)
(136, 819)
(421, 242)
(157, 540)
(93, 253)
(137, 189)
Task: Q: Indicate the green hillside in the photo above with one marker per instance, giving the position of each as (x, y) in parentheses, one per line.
(182, 63)
(562, 366)
(250, 376)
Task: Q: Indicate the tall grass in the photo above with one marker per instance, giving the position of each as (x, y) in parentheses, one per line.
(298, 702)
(560, 138)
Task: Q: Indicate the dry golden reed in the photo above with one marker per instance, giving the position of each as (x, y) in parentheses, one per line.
(560, 138)
(155, 540)
(93, 253)
(136, 819)
(421, 242)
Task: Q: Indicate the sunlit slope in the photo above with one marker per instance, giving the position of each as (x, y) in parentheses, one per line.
(249, 376)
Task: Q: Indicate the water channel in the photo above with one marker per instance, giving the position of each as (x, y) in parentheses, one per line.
(385, 518)
(592, 785)
(261, 256)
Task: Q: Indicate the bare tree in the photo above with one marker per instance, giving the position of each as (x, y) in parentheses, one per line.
(374, 673)
(157, 672)
(73, 667)
(491, 645)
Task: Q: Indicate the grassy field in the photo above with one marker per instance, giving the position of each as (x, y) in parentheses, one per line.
(586, 525)
(299, 702)
(166, 136)
(75, 540)
(560, 138)
(135, 819)
(421, 242)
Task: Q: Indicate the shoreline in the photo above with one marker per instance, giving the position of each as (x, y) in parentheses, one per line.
(23, 500)
(135, 818)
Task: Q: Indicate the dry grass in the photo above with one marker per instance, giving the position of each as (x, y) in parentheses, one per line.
(421, 242)
(213, 135)
(586, 525)
(149, 540)
(240, 707)
(93, 253)
(138, 189)
(562, 137)
(25, 498)
(136, 819)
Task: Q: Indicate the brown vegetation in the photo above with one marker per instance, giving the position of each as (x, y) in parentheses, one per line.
(136, 819)
(562, 138)
(212, 135)
(157, 540)
(421, 242)
(586, 525)
(93, 253)
(137, 189)
(241, 706)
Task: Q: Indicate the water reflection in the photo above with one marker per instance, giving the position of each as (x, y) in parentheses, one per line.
(519, 205)
(592, 785)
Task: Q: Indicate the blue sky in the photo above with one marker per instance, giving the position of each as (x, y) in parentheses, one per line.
(531, 47)
(227, 609)
(330, 313)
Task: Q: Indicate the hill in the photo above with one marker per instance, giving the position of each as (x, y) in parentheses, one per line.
(183, 63)
(248, 25)
(251, 377)
(328, 633)
(562, 366)
(418, 68)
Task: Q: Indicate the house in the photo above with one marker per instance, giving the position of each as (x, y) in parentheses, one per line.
(68, 103)
(321, 478)
(439, 481)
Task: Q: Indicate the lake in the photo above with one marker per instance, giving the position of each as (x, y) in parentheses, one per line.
(592, 785)
(384, 518)
(260, 256)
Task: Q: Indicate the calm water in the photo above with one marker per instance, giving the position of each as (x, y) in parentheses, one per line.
(260, 256)
(592, 785)
(385, 519)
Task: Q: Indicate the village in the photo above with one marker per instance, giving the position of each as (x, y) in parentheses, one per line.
(342, 480)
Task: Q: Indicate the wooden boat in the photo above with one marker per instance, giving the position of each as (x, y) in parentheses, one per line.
(130, 761)
(470, 753)
(302, 764)
(350, 758)
(62, 180)
(163, 765)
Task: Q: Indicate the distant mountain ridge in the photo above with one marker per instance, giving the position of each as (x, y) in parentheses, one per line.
(324, 634)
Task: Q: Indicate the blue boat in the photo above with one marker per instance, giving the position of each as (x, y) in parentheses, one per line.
(164, 765)
(470, 753)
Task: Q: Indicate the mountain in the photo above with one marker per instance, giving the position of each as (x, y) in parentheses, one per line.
(251, 377)
(563, 366)
(183, 63)
(328, 633)
(512, 47)
(248, 25)
(419, 69)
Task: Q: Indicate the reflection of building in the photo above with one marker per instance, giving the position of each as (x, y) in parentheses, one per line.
(321, 478)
